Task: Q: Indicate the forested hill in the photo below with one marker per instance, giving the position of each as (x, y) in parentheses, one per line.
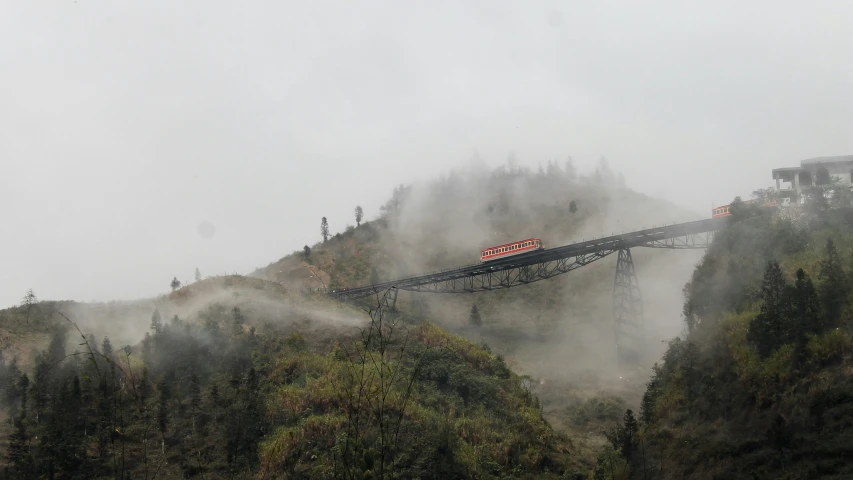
(255, 381)
(761, 387)
(558, 331)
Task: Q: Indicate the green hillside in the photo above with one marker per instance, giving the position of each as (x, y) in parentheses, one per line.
(761, 385)
(558, 331)
(261, 381)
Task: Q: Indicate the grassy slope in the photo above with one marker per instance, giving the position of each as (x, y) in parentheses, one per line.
(715, 409)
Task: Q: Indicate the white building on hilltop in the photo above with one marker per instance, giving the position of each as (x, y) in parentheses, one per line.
(813, 172)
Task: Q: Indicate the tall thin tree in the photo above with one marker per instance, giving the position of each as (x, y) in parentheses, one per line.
(324, 229)
(359, 214)
(29, 301)
(767, 331)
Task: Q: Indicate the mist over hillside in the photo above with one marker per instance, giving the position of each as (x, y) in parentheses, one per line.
(559, 331)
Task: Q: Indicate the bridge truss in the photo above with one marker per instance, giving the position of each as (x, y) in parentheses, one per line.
(544, 264)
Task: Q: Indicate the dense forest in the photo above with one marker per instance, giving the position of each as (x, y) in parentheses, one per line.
(223, 395)
(760, 387)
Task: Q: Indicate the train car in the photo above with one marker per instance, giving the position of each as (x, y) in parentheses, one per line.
(511, 249)
(725, 210)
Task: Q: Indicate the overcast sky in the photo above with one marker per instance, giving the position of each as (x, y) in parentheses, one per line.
(125, 125)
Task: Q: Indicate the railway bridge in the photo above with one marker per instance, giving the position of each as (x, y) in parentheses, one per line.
(543, 264)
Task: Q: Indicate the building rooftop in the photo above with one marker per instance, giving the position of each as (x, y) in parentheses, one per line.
(835, 159)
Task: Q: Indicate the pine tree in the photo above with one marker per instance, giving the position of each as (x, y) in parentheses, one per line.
(474, 318)
(237, 321)
(20, 458)
(163, 408)
(156, 323)
(107, 348)
(175, 284)
(628, 435)
(19, 441)
(359, 214)
(197, 275)
(806, 314)
(653, 390)
(766, 330)
(833, 285)
(324, 229)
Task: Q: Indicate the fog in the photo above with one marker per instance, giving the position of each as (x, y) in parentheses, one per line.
(140, 141)
(264, 306)
(559, 331)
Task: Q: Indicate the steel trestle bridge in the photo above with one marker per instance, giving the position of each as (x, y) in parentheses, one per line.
(544, 264)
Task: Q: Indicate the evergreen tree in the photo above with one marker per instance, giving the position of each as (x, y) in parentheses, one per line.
(19, 451)
(833, 285)
(163, 408)
(573, 206)
(474, 318)
(653, 391)
(767, 329)
(107, 348)
(237, 321)
(359, 214)
(324, 229)
(175, 284)
(628, 435)
(156, 323)
(806, 314)
(306, 250)
(197, 275)
(19, 441)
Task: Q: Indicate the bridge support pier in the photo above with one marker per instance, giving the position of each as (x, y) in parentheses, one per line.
(390, 298)
(627, 311)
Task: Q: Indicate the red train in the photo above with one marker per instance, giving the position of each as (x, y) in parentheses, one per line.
(511, 249)
(725, 210)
